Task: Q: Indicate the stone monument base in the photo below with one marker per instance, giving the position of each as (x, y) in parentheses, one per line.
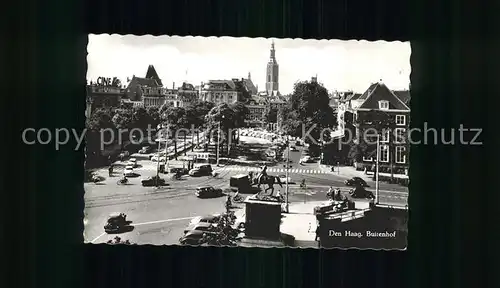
(285, 240)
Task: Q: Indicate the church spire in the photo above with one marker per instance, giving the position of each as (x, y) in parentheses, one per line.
(272, 73)
(272, 57)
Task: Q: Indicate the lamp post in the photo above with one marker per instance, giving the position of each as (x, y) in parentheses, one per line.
(286, 172)
(218, 141)
(376, 171)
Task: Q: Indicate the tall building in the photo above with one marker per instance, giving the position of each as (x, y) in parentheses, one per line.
(272, 74)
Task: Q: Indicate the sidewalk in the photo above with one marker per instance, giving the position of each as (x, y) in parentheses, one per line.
(300, 222)
(350, 171)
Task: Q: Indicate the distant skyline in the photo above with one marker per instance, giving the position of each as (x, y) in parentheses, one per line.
(339, 65)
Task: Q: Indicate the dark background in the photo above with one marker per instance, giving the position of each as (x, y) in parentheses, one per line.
(452, 220)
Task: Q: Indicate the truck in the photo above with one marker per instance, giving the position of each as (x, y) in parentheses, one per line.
(241, 183)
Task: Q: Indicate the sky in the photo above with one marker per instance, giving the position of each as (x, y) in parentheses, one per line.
(339, 65)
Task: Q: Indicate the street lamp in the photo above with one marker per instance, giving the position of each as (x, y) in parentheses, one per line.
(286, 172)
(218, 139)
(376, 171)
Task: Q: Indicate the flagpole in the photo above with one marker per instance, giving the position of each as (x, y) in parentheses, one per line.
(376, 171)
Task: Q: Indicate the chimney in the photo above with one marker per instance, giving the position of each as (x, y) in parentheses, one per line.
(173, 85)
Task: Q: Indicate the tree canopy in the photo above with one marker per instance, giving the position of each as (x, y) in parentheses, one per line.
(309, 107)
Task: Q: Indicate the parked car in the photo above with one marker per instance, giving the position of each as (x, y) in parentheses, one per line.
(129, 171)
(153, 181)
(306, 159)
(213, 219)
(201, 226)
(157, 158)
(203, 170)
(361, 193)
(145, 150)
(132, 162)
(283, 179)
(193, 237)
(124, 154)
(356, 181)
(182, 171)
(208, 192)
(115, 222)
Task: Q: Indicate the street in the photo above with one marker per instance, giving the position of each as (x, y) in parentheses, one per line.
(160, 215)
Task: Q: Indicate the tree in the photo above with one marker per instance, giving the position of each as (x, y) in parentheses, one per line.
(241, 112)
(122, 120)
(357, 151)
(174, 119)
(224, 115)
(309, 106)
(272, 115)
(223, 234)
(153, 115)
(196, 115)
(100, 119)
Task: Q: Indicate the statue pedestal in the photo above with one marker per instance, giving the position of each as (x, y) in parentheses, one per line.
(263, 219)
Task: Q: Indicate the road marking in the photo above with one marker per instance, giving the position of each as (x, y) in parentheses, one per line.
(149, 223)
(95, 239)
(163, 221)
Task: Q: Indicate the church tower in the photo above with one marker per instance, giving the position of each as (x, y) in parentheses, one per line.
(272, 74)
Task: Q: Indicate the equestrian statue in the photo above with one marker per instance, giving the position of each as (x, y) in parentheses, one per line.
(270, 180)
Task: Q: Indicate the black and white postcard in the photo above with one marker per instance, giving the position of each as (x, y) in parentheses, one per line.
(249, 142)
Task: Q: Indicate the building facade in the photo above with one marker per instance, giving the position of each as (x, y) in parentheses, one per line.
(104, 93)
(187, 95)
(257, 111)
(139, 86)
(378, 109)
(219, 91)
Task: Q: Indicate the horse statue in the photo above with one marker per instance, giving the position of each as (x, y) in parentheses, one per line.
(270, 180)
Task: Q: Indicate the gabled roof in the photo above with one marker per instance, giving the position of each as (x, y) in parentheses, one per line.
(138, 81)
(151, 74)
(377, 92)
(249, 85)
(403, 95)
(365, 95)
(354, 96)
(228, 83)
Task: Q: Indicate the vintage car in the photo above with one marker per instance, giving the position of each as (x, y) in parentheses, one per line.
(361, 193)
(208, 192)
(145, 150)
(132, 162)
(284, 179)
(129, 171)
(203, 170)
(214, 219)
(306, 159)
(153, 181)
(115, 222)
(124, 154)
(194, 237)
(201, 226)
(356, 181)
(179, 170)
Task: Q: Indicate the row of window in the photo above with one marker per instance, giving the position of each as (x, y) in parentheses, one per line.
(399, 155)
(399, 136)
